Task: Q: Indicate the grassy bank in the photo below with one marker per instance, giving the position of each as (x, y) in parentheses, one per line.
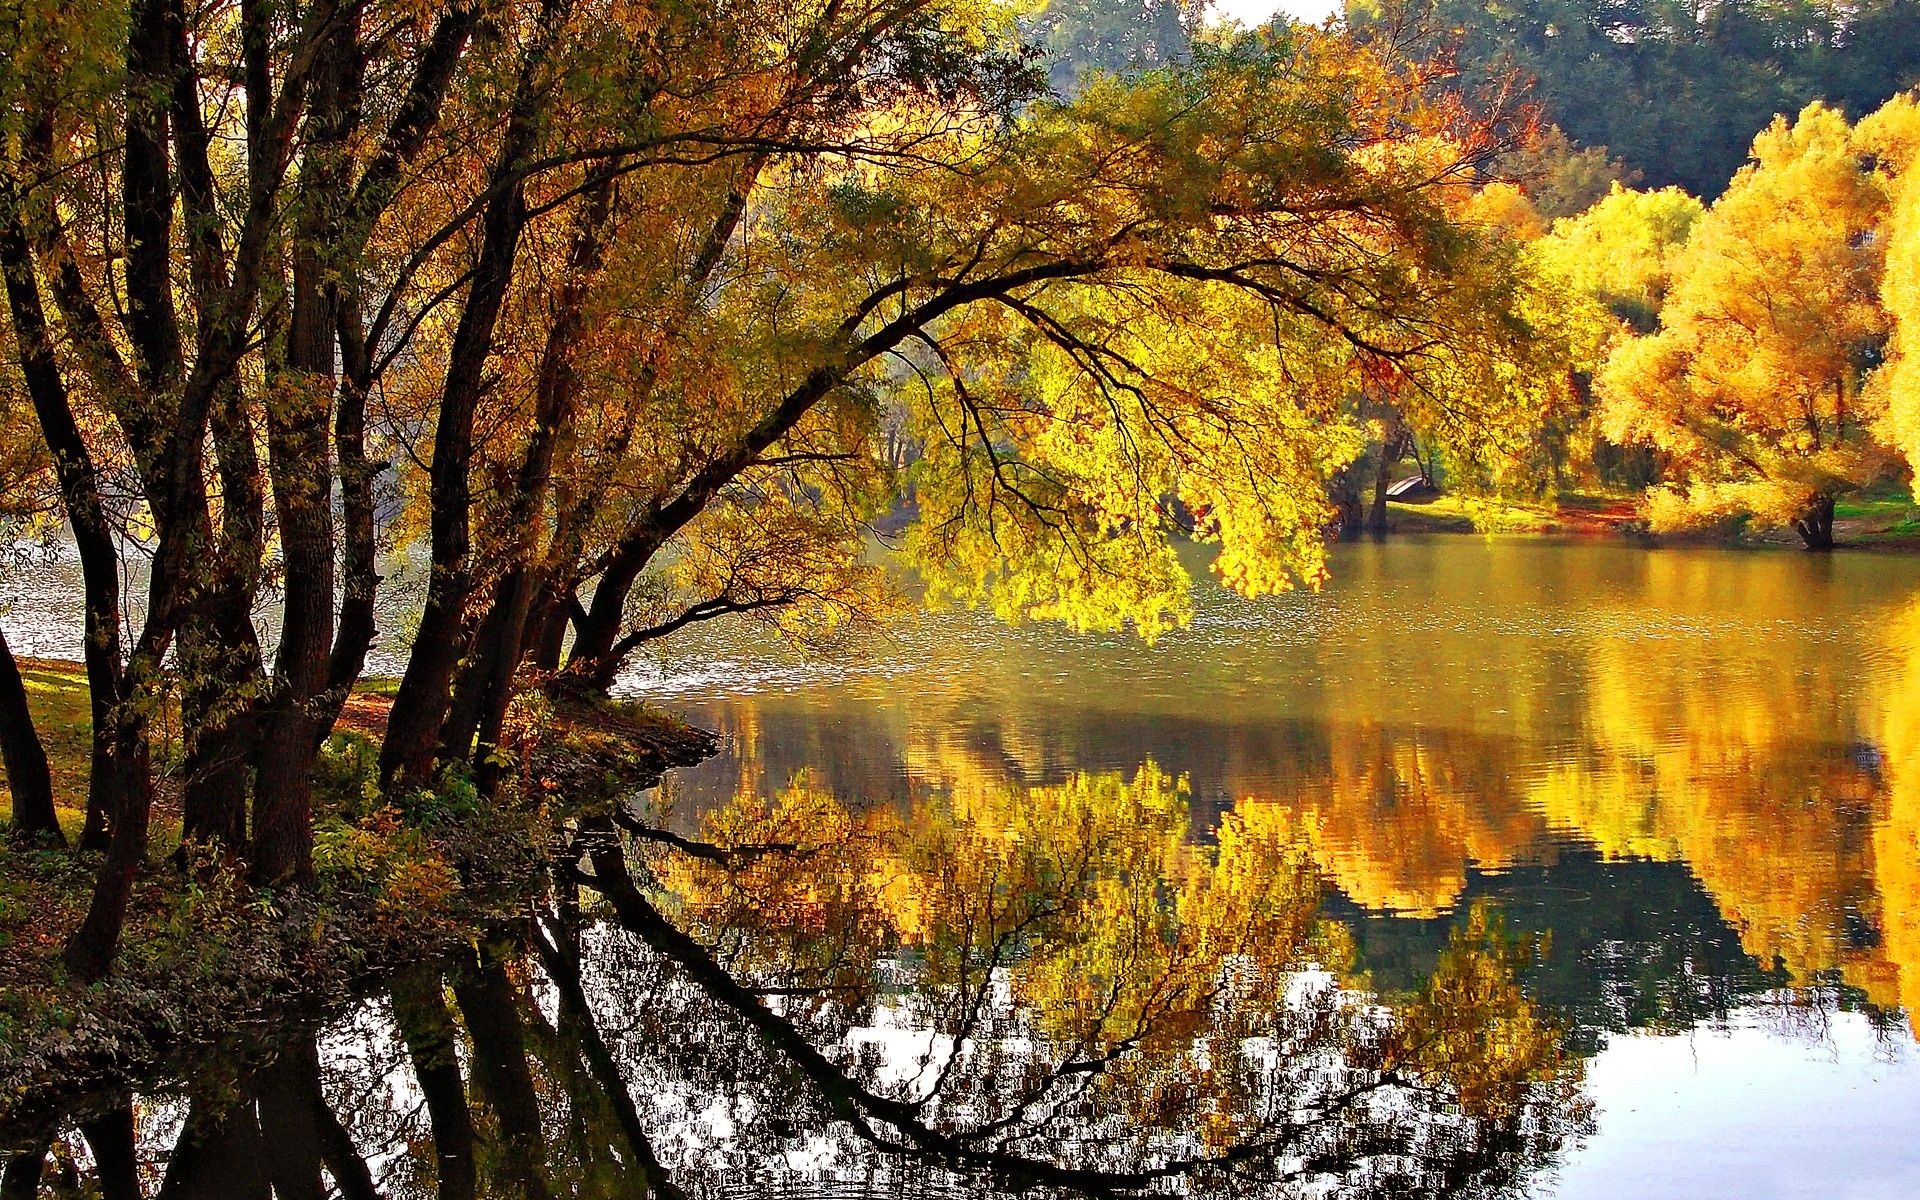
(57, 692)
(1577, 514)
(206, 957)
(1883, 517)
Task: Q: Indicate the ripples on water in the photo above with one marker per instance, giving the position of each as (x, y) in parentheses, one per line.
(1663, 806)
(1699, 765)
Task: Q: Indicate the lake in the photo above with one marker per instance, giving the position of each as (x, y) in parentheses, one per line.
(1499, 867)
(1697, 770)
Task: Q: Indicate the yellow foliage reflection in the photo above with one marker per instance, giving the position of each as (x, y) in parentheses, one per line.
(1076, 947)
(1755, 718)
(1896, 838)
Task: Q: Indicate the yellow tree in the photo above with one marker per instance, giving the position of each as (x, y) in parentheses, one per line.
(1751, 385)
(1603, 275)
(1073, 947)
(1893, 136)
(1621, 251)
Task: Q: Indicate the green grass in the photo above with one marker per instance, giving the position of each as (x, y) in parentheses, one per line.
(379, 685)
(1882, 500)
(1883, 514)
(57, 694)
(63, 717)
(1570, 512)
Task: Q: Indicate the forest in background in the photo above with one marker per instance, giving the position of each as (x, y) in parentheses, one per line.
(1648, 92)
(1779, 380)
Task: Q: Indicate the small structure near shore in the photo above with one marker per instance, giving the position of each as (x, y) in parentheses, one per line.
(1414, 489)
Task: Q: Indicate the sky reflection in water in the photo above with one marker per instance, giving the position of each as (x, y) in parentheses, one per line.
(1698, 769)
(1500, 868)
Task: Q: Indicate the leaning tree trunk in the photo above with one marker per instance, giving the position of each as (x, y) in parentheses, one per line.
(1815, 525)
(80, 496)
(28, 777)
(488, 1002)
(426, 689)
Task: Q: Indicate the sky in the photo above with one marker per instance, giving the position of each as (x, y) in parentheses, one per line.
(1253, 12)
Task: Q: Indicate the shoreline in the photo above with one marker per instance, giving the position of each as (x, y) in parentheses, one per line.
(214, 963)
(1617, 520)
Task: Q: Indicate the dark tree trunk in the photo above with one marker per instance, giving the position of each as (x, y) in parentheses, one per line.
(415, 119)
(110, 1137)
(425, 1024)
(551, 616)
(503, 636)
(28, 777)
(352, 1177)
(420, 707)
(298, 441)
(282, 846)
(89, 952)
(1815, 525)
(1343, 492)
(562, 962)
(21, 1179)
(360, 578)
(219, 1155)
(469, 685)
(488, 1003)
(592, 660)
(597, 629)
(218, 650)
(288, 1092)
(1382, 480)
(80, 497)
(171, 467)
(219, 657)
(216, 774)
(119, 794)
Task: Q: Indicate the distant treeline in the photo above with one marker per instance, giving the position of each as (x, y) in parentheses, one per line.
(1674, 90)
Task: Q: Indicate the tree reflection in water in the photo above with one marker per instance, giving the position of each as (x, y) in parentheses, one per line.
(1045, 990)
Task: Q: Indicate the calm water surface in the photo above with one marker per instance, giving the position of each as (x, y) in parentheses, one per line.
(1496, 869)
(1696, 770)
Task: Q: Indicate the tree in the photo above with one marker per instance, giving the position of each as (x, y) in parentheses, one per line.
(1494, 433)
(1080, 952)
(1751, 385)
(1621, 250)
(1561, 179)
(1893, 135)
(617, 304)
(1082, 37)
(1603, 275)
(1673, 90)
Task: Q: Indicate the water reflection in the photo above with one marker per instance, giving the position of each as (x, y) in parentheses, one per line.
(1336, 895)
(1635, 734)
(1050, 989)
